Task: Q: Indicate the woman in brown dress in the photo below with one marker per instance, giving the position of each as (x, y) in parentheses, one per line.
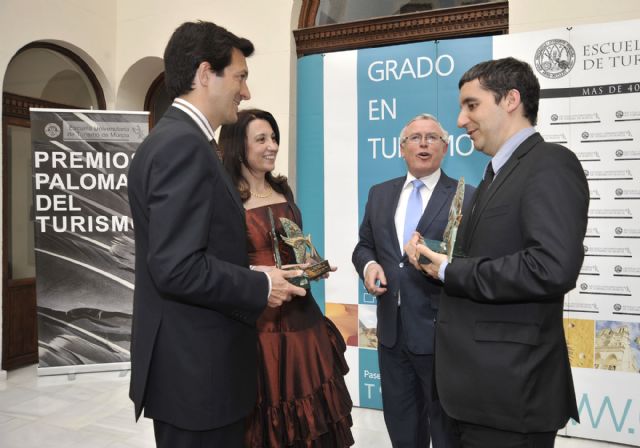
(302, 397)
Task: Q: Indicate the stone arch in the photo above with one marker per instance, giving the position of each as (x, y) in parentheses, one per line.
(136, 81)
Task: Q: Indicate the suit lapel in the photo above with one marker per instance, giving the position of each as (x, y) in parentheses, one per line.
(437, 201)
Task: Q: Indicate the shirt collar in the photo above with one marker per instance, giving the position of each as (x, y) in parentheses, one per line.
(429, 181)
(508, 148)
(195, 114)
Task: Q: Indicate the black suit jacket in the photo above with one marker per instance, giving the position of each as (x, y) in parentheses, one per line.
(501, 355)
(379, 242)
(193, 353)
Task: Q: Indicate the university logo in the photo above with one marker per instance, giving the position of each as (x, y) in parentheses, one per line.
(617, 307)
(619, 192)
(554, 117)
(52, 130)
(619, 153)
(618, 269)
(554, 58)
(619, 114)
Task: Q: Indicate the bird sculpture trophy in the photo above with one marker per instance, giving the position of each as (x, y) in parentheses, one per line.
(305, 252)
(448, 243)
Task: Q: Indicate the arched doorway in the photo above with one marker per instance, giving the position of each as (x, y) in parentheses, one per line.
(39, 75)
(157, 100)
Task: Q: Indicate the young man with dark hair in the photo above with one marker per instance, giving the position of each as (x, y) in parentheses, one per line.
(193, 351)
(502, 367)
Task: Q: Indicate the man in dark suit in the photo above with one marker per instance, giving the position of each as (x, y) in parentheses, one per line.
(407, 304)
(193, 353)
(502, 367)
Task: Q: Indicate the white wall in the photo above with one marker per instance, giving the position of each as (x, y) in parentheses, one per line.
(144, 27)
(86, 27)
(529, 15)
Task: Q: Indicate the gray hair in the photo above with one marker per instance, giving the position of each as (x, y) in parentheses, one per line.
(424, 116)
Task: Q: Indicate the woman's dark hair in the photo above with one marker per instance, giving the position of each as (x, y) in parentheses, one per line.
(193, 43)
(233, 145)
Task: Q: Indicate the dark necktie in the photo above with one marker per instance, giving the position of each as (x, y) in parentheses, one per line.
(483, 187)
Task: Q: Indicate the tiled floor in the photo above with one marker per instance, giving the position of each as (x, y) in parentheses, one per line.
(91, 410)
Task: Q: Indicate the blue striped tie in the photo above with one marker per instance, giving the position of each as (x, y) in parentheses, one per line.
(414, 211)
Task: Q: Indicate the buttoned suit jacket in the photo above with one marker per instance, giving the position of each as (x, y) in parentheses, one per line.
(193, 351)
(501, 355)
(378, 241)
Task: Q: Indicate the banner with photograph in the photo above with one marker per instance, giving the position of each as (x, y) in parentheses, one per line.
(351, 108)
(590, 102)
(83, 236)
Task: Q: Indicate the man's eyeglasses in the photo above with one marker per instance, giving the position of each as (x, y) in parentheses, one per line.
(416, 139)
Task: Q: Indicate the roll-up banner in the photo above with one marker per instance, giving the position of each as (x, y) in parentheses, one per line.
(83, 237)
(352, 106)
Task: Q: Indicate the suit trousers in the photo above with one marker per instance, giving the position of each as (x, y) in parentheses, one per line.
(412, 411)
(477, 436)
(169, 436)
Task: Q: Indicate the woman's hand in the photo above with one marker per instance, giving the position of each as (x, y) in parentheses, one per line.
(326, 274)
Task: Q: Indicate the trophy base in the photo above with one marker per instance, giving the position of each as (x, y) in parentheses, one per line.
(436, 246)
(310, 273)
(317, 270)
(302, 280)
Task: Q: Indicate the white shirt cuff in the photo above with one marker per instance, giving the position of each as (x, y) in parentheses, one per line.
(364, 271)
(269, 280)
(443, 266)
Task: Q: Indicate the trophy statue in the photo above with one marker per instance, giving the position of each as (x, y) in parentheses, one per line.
(448, 243)
(305, 252)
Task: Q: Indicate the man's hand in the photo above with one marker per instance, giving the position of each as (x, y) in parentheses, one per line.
(374, 279)
(413, 249)
(262, 268)
(281, 290)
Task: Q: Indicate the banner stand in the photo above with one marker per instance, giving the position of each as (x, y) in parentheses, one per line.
(84, 368)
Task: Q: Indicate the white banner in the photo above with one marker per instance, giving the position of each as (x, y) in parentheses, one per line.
(83, 236)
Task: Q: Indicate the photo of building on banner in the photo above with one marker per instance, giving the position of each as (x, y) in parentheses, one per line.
(83, 236)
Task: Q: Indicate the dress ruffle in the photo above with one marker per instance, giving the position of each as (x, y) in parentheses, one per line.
(321, 419)
(302, 401)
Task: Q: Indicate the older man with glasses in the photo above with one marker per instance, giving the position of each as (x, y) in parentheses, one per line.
(407, 300)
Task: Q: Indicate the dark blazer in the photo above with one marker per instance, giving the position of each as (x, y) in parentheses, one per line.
(501, 355)
(193, 352)
(379, 242)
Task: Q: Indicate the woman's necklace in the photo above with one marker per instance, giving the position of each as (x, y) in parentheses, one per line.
(264, 195)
